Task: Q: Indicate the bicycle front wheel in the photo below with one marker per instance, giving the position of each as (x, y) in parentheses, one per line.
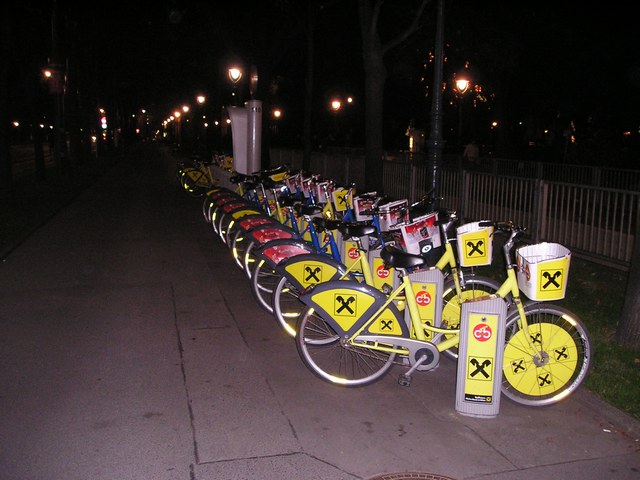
(474, 287)
(335, 361)
(552, 362)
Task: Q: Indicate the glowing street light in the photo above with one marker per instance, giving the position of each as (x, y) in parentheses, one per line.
(235, 74)
(462, 85)
(336, 105)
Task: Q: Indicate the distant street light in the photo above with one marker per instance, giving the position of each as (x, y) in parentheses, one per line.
(336, 105)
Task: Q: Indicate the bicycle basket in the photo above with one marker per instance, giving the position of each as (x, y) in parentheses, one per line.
(475, 246)
(543, 270)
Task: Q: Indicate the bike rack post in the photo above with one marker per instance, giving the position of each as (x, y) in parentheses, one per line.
(480, 354)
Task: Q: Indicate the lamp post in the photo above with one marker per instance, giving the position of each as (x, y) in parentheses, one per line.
(200, 127)
(462, 86)
(435, 142)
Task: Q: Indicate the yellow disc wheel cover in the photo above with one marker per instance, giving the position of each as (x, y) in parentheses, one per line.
(548, 367)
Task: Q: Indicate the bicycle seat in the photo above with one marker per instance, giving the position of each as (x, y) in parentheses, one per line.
(307, 209)
(395, 257)
(358, 230)
(287, 201)
(323, 224)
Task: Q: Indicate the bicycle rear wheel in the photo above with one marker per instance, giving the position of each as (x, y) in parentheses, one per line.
(557, 364)
(287, 306)
(190, 180)
(335, 361)
(263, 282)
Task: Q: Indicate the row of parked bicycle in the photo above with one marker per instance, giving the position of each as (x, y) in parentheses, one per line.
(365, 283)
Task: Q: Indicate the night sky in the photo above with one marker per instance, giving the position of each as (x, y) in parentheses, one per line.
(546, 61)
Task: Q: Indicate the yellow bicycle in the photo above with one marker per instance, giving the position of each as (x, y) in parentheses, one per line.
(351, 334)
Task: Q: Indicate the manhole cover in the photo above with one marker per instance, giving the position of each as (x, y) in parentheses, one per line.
(410, 476)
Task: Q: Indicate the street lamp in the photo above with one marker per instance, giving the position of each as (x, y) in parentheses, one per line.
(235, 74)
(462, 84)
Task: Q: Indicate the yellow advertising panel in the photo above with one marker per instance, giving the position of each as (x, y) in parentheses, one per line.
(482, 337)
(345, 306)
(350, 255)
(310, 272)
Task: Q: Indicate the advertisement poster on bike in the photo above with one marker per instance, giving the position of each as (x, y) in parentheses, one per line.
(422, 236)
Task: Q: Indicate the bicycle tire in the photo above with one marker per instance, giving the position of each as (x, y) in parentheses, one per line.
(234, 226)
(216, 209)
(287, 306)
(249, 260)
(475, 286)
(263, 282)
(189, 179)
(238, 245)
(209, 203)
(324, 353)
(546, 376)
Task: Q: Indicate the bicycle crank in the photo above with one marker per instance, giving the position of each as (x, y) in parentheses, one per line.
(421, 355)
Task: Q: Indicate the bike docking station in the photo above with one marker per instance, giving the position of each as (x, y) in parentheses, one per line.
(480, 355)
(246, 133)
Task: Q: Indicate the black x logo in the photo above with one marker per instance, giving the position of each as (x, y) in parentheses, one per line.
(544, 380)
(551, 279)
(312, 274)
(480, 367)
(537, 338)
(517, 366)
(475, 248)
(386, 324)
(345, 304)
(561, 353)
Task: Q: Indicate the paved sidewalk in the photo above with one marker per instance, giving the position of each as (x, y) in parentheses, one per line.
(132, 348)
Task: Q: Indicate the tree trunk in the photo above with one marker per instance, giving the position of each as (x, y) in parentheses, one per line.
(628, 332)
(374, 92)
(375, 77)
(6, 178)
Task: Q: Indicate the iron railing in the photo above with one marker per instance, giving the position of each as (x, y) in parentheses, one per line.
(591, 210)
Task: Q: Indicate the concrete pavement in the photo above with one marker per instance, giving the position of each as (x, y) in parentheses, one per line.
(132, 348)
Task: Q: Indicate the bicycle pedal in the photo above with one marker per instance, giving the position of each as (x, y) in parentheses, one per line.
(404, 380)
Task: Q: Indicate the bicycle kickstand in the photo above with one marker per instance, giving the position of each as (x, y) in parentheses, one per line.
(405, 378)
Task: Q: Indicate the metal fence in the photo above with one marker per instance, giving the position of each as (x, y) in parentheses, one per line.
(591, 210)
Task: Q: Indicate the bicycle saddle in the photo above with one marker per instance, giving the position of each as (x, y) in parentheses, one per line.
(307, 209)
(394, 257)
(322, 224)
(350, 230)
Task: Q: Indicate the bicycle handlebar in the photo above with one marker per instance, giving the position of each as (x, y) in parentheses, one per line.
(506, 227)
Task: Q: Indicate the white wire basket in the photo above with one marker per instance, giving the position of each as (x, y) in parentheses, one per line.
(543, 270)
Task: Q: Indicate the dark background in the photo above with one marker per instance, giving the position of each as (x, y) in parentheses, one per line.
(548, 72)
